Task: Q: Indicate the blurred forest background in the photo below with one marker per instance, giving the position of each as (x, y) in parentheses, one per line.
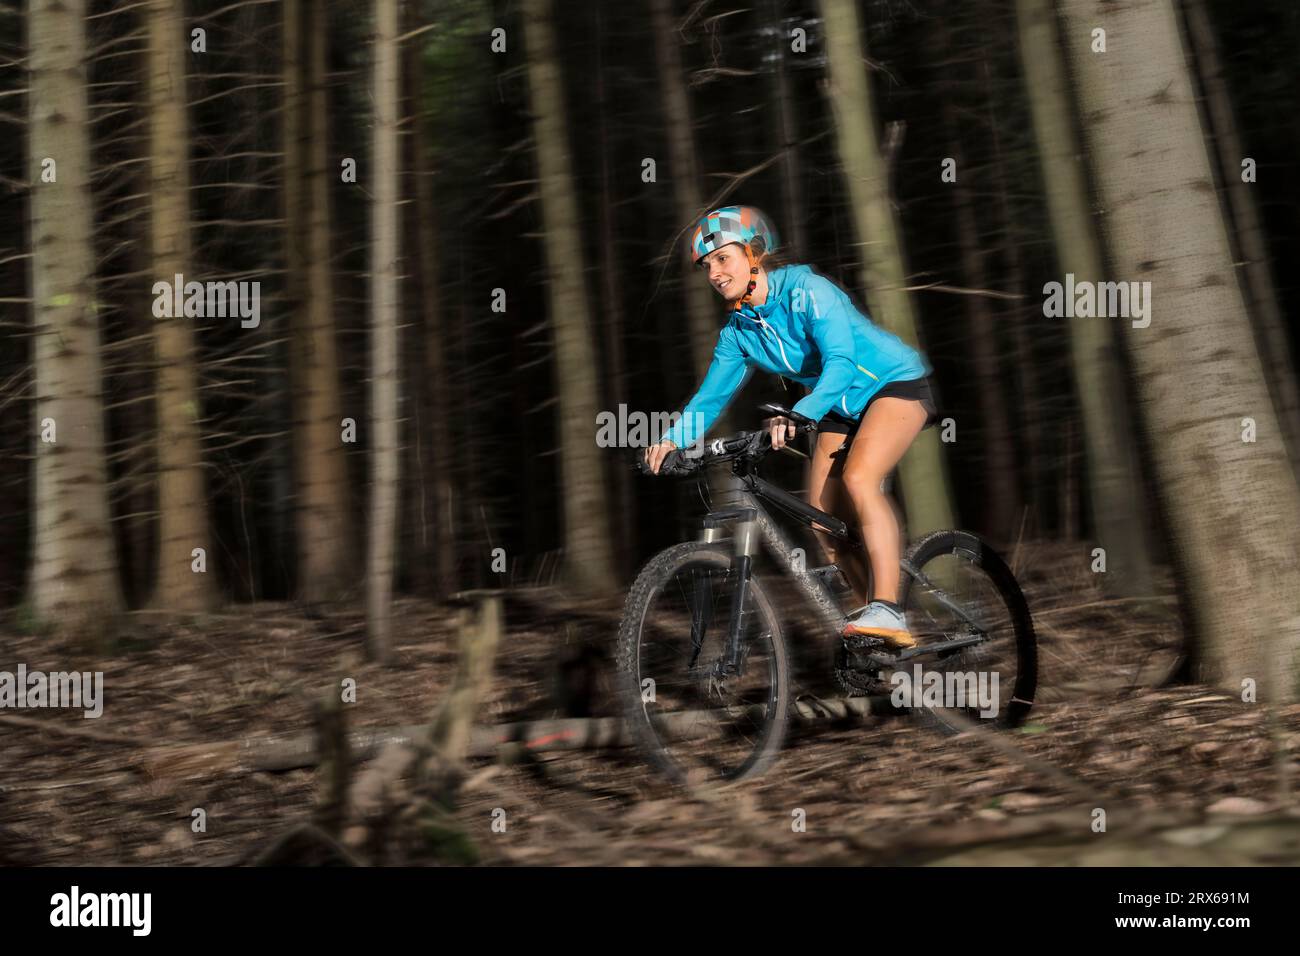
(465, 219)
(503, 268)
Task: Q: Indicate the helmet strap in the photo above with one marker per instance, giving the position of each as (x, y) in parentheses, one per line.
(753, 280)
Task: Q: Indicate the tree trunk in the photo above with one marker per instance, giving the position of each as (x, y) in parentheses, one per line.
(182, 499)
(74, 584)
(385, 441)
(294, 163)
(137, 558)
(922, 472)
(438, 409)
(1114, 481)
(589, 557)
(1233, 504)
(326, 549)
(470, 484)
(702, 321)
(1001, 500)
(615, 364)
(1270, 327)
(791, 178)
(1036, 477)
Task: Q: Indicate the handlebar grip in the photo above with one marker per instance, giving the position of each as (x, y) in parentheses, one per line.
(674, 463)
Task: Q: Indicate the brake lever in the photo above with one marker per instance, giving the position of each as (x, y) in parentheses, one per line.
(801, 425)
(791, 450)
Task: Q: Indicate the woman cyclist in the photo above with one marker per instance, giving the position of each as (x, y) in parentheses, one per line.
(866, 383)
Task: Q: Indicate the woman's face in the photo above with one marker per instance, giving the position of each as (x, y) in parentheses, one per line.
(728, 270)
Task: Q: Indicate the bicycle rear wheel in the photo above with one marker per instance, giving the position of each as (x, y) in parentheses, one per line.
(993, 680)
(685, 715)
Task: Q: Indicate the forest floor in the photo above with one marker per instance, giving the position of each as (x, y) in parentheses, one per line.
(1184, 774)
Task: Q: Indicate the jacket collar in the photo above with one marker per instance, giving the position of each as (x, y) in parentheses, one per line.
(775, 284)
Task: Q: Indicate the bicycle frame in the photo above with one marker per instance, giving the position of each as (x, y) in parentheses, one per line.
(752, 524)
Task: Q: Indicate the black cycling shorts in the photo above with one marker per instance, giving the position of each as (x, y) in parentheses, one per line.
(916, 389)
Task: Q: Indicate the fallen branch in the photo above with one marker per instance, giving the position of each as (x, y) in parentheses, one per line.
(434, 755)
(291, 752)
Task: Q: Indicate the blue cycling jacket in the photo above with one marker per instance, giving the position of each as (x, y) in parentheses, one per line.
(808, 331)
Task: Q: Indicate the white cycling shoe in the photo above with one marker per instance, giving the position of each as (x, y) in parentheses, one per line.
(878, 620)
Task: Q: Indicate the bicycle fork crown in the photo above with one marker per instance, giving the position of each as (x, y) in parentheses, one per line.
(746, 525)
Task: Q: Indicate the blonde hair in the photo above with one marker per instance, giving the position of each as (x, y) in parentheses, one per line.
(776, 260)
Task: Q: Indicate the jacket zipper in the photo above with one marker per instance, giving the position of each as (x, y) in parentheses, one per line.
(767, 328)
(781, 347)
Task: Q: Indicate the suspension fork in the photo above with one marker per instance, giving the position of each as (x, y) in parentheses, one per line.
(742, 562)
(701, 601)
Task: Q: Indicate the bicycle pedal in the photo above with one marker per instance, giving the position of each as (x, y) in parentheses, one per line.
(862, 642)
(871, 655)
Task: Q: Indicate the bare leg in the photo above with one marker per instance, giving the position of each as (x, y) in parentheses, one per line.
(826, 491)
(888, 428)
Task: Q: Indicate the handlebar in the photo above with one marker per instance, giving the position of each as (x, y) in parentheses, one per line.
(752, 445)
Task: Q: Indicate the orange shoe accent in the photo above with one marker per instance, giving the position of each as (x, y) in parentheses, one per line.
(893, 636)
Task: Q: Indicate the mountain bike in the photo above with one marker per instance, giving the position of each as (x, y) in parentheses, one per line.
(704, 670)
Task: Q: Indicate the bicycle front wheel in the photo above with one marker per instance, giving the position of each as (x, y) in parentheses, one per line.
(686, 711)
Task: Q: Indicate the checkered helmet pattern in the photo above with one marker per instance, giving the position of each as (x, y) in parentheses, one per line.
(744, 224)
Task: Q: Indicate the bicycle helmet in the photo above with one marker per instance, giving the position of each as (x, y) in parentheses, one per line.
(746, 225)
